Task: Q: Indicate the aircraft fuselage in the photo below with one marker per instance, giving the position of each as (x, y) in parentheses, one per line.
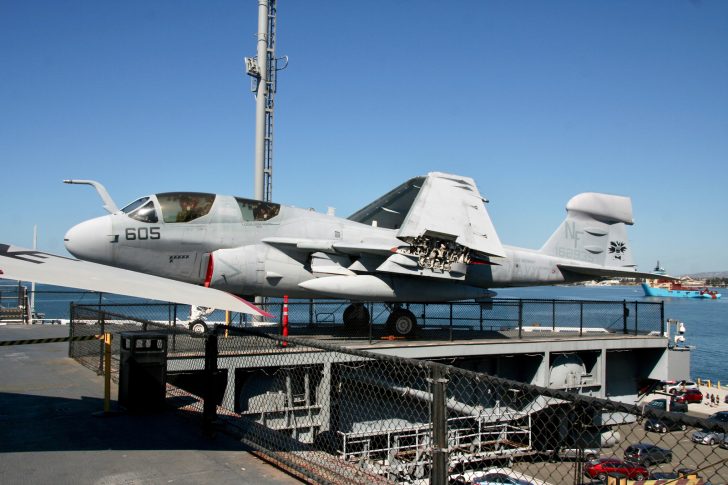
(234, 248)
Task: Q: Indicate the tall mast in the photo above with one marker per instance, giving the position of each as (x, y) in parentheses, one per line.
(263, 69)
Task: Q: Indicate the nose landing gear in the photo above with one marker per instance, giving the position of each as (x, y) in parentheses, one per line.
(356, 317)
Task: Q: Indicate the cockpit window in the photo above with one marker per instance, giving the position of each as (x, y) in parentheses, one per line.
(141, 210)
(184, 206)
(255, 210)
(134, 205)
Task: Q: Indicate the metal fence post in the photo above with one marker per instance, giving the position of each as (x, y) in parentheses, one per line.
(581, 319)
(310, 312)
(553, 315)
(636, 319)
(371, 321)
(71, 328)
(662, 318)
(439, 426)
(209, 407)
(450, 322)
(481, 316)
(174, 328)
(102, 344)
(625, 315)
(520, 318)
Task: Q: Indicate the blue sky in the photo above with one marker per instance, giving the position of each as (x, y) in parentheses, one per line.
(537, 101)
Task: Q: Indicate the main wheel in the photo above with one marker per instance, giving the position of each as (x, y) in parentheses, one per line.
(602, 476)
(356, 316)
(198, 327)
(639, 476)
(402, 322)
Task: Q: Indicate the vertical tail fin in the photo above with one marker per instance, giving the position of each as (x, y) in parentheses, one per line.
(594, 231)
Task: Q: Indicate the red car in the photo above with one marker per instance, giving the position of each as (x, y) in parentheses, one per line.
(601, 467)
(689, 396)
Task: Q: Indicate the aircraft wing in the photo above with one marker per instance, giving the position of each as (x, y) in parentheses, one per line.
(602, 272)
(21, 264)
(390, 209)
(451, 207)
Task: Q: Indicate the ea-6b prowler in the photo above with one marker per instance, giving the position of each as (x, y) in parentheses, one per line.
(428, 240)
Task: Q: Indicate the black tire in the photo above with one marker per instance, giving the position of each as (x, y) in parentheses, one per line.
(356, 316)
(712, 441)
(647, 462)
(402, 323)
(639, 476)
(198, 327)
(683, 427)
(601, 476)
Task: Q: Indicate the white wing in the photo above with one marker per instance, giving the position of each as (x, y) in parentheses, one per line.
(451, 207)
(21, 264)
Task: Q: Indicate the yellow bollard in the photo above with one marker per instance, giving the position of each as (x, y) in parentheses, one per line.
(708, 383)
(227, 322)
(699, 382)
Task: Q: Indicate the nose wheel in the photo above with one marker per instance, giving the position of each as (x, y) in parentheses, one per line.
(402, 322)
(356, 316)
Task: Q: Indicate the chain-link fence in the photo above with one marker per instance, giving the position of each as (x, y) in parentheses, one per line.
(334, 415)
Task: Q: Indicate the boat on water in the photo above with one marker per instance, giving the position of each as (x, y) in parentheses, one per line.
(686, 288)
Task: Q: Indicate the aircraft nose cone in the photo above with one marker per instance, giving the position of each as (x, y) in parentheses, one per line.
(90, 240)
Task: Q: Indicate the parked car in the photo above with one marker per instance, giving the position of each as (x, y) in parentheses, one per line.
(720, 416)
(495, 476)
(601, 467)
(647, 454)
(663, 425)
(661, 403)
(674, 386)
(587, 454)
(678, 473)
(708, 437)
(689, 396)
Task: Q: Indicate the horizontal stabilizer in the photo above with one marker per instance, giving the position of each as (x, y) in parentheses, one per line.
(30, 265)
(598, 272)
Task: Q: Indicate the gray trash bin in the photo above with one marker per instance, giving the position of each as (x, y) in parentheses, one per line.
(142, 371)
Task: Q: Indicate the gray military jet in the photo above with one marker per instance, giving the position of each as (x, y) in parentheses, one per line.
(428, 240)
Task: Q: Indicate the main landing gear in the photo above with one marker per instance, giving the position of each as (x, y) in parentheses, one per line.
(401, 322)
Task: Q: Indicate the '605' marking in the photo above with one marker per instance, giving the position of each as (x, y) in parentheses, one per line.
(142, 233)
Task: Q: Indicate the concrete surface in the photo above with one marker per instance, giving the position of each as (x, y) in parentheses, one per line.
(49, 434)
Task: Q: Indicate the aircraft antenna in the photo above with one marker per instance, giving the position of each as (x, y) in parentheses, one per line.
(263, 69)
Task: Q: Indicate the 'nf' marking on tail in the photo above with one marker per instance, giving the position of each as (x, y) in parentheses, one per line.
(572, 233)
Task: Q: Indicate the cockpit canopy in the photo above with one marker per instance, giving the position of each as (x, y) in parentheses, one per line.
(256, 210)
(141, 210)
(188, 206)
(175, 207)
(184, 206)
